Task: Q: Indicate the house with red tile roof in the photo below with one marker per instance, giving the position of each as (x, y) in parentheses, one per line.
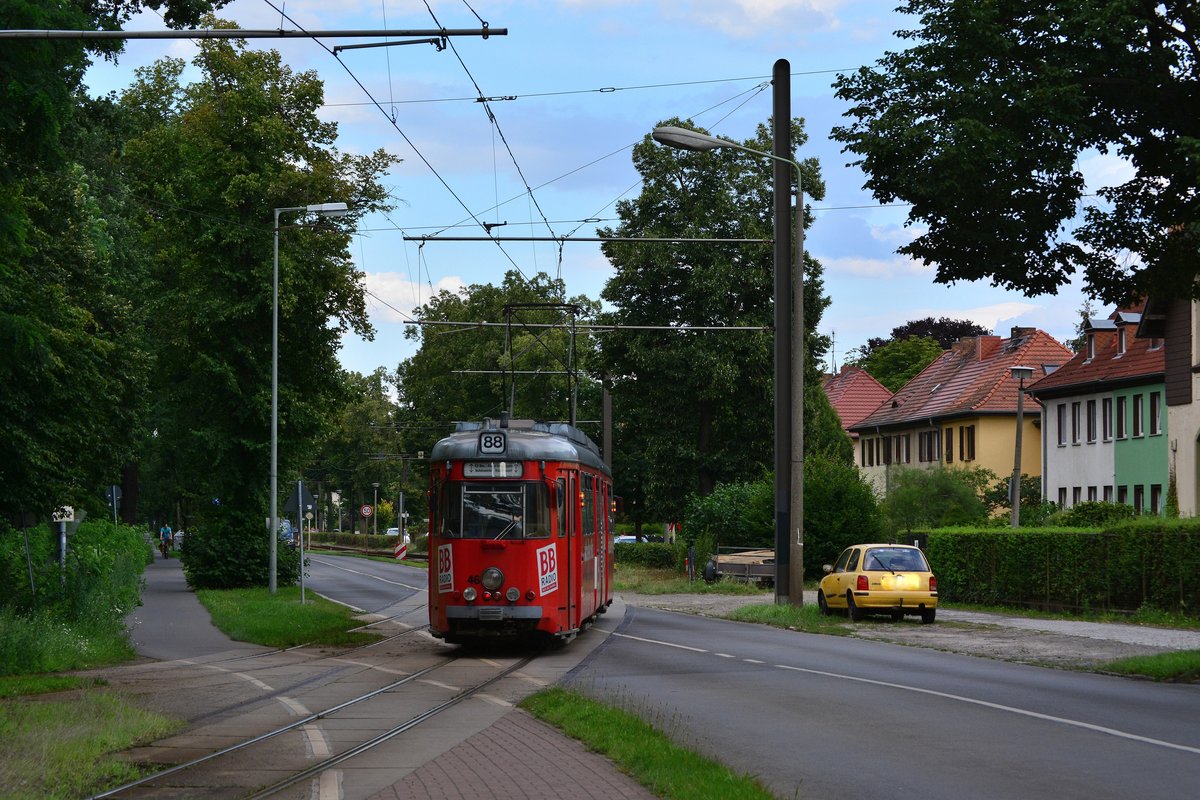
(854, 393)
(961, 410)
(1104, 419)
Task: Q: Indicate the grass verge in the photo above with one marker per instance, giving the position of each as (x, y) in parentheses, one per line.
(806, 618)
(62, 748)
(279, 620)
(646, 580)
(640, 751)
(1180, 667)
(32, 643)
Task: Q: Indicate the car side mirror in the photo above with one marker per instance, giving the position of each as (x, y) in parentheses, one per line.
(827, 568)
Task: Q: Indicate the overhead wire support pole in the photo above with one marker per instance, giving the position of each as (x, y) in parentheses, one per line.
(237, 33)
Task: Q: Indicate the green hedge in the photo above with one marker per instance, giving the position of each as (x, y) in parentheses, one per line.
(1147, 562)
(659, 555)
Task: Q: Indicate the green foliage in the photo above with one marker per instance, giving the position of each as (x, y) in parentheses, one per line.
(734, 515)
(658, 555)
(1033, 511)
(279, 620)
(989, 157)
(1142, 563)
(718, 386)
(1093, 514)
(227, 553)
(933, 498)
(840, 509)
(897, 362)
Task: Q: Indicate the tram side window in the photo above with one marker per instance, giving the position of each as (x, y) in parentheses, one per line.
(509, 510)
(589, 505)
(562, 506)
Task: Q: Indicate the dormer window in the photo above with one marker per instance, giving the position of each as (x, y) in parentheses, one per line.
(1121, 341)
(1091, 346)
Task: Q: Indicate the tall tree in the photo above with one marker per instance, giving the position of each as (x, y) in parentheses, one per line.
(460, 373)
(981, 124)
(213, 159)
(944, 330)
(696, 405)
(73, 368)
(897, 362)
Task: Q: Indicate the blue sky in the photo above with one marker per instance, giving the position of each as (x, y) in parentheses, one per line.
(590, 79)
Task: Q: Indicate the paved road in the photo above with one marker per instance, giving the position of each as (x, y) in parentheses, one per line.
(817, 716)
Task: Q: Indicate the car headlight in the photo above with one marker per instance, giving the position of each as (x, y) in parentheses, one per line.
(493, 579)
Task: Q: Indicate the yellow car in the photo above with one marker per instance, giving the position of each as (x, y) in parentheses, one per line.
(892, 579)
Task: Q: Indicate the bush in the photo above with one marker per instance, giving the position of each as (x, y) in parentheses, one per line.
(839, 510)
(734, 515)
(221, 554)
(658, 555)
(1093, 514)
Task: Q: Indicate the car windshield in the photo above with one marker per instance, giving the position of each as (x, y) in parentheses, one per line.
(895, 559)
(496, 510)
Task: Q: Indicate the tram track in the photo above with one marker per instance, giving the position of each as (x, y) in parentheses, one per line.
(175, 777)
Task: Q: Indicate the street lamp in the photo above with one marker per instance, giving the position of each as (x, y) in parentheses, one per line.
(1020, 374)
(324, 210)
(789, 378)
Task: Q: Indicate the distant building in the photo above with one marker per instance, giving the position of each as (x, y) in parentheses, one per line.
(961, 410)
(854, 394)
(1104, 420)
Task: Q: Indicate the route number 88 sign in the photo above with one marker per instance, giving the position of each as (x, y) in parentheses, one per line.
(492, 443)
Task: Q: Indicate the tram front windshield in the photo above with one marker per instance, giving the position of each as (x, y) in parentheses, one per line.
(496, 510)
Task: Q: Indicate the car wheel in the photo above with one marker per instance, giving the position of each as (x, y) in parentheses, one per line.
(855, 613)
(928, 615)
(710, 572)
(821, 604)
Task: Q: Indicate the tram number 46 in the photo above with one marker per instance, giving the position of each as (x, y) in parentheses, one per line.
(491, 442)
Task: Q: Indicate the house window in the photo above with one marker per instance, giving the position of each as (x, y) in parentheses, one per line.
(966, 443)
(1121, 432)
(1091, 346)
(949, 440)
(1091, 421)
(1120, 342)
(1062, 497)
(1155, 414)
(1108, 493)
(887, 450)
(1075, 423)
(864, 448)
(1122, 494)
(1156, 498)
(1076, 494)
(1062, 424)
(1137, 415)
(1091, 494)
(1106, 418)
(928, 444)
(1139, 498)
(905, 444)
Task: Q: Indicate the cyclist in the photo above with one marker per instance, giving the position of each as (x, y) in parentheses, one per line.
(165, 540)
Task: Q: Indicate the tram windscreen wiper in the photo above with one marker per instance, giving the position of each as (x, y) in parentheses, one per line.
(510, 526)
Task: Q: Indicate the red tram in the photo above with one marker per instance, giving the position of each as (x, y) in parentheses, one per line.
(520, 531)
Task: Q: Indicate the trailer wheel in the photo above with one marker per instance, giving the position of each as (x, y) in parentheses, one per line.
(710, 572)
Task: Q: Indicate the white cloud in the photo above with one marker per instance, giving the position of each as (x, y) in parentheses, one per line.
(1105, 169)
(893, 267)
(396, 298)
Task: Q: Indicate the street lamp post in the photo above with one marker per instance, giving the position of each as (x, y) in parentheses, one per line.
(1021, 374)
(325, 210)
(789, 378)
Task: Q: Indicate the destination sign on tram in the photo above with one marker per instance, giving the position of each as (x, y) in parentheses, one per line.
(493, 469)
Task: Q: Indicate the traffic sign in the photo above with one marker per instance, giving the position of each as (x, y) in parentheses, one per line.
(366, 509)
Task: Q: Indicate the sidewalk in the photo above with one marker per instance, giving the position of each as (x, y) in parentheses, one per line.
(517, 757)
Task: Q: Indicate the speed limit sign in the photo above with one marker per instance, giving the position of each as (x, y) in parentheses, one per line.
(366, 510)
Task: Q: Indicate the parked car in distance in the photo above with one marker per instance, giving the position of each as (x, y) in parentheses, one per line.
(892, 579)
(624, 539)
(392, 532)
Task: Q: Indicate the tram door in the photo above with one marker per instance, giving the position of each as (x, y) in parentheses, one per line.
(569, 551)
(588, 567)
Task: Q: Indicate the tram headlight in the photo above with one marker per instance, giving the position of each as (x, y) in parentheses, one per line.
(492, 578)
(513, 594)
(469, 594)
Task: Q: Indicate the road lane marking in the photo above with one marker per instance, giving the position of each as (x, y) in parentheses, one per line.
(1000, 707)
(369, 575)
(960, 698)
(657, 641)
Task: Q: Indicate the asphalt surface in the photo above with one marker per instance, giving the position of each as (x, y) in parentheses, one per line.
(510, 758)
